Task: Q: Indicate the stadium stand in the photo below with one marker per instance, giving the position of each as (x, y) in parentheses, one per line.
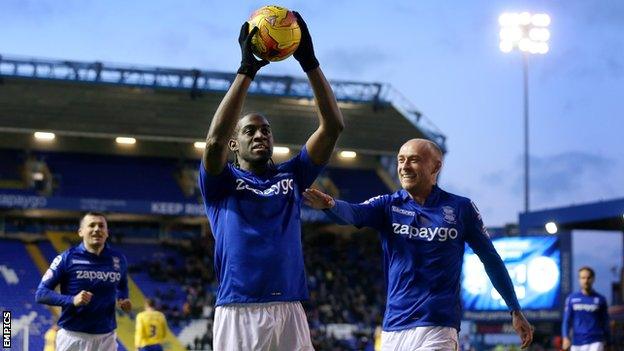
(356, 185)
(20, 277)
(150, 189)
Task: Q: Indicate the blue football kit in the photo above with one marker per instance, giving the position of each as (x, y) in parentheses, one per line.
(423, 249)
(76, 269)
(256, 225)
(588, 317)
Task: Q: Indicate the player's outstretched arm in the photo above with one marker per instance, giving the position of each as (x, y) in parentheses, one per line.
(321, 144)
(318, 200)
(227, 114)
(523, 328)
(367, 214)
(479, 240)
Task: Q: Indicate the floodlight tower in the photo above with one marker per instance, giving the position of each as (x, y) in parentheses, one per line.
(529, 34)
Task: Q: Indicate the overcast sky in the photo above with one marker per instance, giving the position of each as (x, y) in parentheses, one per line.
(443, 56)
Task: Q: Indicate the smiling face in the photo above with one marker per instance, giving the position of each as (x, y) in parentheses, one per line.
(93, 231)
(418, 165)
(253, 140)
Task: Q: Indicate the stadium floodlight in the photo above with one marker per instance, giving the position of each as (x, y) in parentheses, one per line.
(347, 154)
(551, 228)
(529, 34)
(125, 140)
(200, 145)
(44, 136)
(281, 150)
(540, 20)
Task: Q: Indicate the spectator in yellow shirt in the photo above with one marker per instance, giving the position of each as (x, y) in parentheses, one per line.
(151, 328)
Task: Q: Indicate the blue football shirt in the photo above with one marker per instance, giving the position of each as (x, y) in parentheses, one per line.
(256, 225)
(423, 249)
(588, 317)
(76, 269)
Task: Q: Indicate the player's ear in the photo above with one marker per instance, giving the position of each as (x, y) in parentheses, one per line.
(436, 168)
(233, 145)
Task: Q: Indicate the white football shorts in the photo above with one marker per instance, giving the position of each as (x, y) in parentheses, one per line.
(594, 346)
(67, 340)
(420, 339)
(274, 326)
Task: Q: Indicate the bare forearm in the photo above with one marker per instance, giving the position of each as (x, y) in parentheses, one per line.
(321, 144)
(330, 116)
(223, 124)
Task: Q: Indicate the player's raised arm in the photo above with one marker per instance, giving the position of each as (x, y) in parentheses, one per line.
(228, 112)
(321, 143)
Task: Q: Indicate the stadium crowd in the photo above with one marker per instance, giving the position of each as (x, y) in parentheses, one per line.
(344, 279)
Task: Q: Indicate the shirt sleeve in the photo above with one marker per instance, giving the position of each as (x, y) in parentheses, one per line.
(566, 324)
(163, 328)
(479, 240)
(214, 187)
(122, 288)
(45, 293)
(305, 169)
(138, 330)
(369, 213)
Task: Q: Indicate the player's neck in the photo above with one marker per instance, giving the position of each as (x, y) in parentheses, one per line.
(587, 291)
(96, 250)
(420, 195)
(255, 168)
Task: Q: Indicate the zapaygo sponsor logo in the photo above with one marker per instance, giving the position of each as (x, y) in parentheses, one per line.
(587, 307)
(113, 277)
(281, 187)
(429, 234)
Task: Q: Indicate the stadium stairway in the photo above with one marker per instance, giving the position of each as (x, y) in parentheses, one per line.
(19, 278)
(125, 323)
(42, 264)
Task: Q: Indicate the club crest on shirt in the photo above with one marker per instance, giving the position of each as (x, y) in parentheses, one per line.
(116, 263)
(449, 214)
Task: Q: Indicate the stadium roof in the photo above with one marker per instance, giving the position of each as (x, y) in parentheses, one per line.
(161, 104)
(603, 215)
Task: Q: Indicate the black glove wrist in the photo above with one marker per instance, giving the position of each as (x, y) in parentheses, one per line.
(248, 70)
(309, 64)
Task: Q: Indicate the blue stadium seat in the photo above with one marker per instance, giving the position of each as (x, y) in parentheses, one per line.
(114, 177)
(19, 278)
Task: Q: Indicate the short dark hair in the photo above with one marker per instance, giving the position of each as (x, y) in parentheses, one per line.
(589, 269)
(92, 213)
(149, 302)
